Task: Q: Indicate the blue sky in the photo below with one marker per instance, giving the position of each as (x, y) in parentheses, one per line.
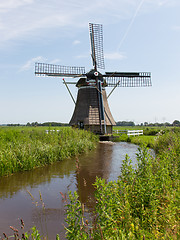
(138, 36)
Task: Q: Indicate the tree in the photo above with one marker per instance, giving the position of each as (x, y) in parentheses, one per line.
(176, 123)
(125, 123)
(145, 123)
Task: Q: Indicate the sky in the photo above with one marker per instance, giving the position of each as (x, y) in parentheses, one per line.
(138, 35)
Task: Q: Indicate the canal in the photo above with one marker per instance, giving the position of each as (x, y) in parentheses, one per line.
(36, 196)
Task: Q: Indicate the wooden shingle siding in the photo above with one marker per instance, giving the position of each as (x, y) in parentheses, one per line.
(87, 110)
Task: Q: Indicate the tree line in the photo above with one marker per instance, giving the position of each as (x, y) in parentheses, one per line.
(36, 124)
(176, 123)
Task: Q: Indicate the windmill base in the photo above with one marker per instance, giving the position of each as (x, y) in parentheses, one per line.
(107, 137)
(94, 128)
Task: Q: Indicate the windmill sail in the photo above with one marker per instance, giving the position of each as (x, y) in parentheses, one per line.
(96, 39)
(58, 70)
(128, 79)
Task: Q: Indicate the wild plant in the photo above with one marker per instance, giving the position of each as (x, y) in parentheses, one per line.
(142, 204)
(19, 234)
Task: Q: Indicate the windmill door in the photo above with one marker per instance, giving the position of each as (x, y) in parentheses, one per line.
(81, 125)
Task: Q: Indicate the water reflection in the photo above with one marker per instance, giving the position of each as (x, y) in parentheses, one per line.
(11, 185)
(16, 203)
(95, 165)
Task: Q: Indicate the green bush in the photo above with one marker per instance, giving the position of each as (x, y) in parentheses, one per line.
(151, 131)
(122, 138)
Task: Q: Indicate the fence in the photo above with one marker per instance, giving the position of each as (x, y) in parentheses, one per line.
(129, 132)
(49, 131)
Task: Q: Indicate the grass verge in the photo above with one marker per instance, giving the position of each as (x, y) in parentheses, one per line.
(148, 141)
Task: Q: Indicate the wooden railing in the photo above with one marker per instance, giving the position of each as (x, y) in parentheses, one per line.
(129, 132)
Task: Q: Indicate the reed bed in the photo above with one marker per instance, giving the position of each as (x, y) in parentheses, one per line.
(25, 149)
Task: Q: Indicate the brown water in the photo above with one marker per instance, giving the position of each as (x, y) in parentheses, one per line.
(16, 202)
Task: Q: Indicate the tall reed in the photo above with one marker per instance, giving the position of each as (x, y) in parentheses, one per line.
(25, 149)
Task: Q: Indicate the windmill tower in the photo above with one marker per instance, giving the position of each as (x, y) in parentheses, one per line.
(91, 106)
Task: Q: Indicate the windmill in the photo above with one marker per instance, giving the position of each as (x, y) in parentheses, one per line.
(91, 106)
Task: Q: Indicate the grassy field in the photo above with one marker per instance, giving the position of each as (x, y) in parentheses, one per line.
(25, 148)
(147, 130)
(149, 137)
(135, 128)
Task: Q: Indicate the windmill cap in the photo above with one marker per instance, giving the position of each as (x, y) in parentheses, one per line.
(90, 79)
(93, 74)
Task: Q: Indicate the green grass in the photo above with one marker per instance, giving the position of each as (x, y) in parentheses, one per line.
(149, 137)
(150, 134)
(148, 141)
(128, 128)
(25, 148)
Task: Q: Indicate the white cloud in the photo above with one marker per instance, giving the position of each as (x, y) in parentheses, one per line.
(55, 61)
(8, 5)
(115, 56)
(83, 56)
(21, 19)
(176, 28)
(161, 3)
(76, 42)
(30, 63)
(167, 2)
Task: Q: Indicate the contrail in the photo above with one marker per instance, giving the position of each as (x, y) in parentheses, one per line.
(131, 23)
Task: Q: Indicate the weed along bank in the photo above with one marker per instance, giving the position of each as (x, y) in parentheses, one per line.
(24, 149)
